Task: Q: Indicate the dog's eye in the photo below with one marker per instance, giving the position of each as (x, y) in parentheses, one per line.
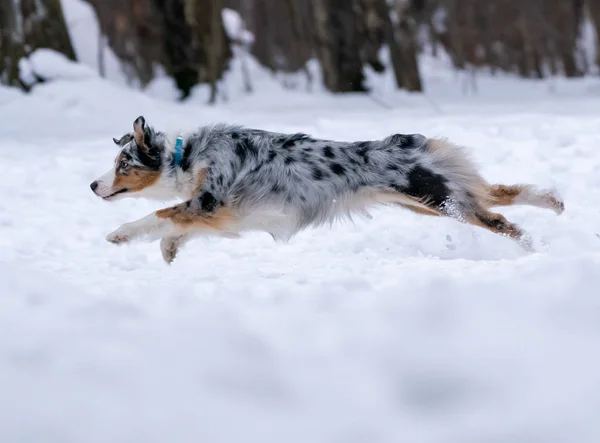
(123, 164)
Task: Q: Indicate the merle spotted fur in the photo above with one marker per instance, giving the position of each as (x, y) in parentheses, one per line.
(282, 183)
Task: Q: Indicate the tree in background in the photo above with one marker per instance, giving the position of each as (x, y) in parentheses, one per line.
(133, 31)
(27, 25)
(187, 38)
(338, 43)
(211, 50)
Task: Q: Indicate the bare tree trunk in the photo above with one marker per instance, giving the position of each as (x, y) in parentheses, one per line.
(26, 25)
(133, 31)
(211, 45)
(11, 46)
(178, 45)
(405, 33)
(337, 40)
(390, 39)
(300, 50)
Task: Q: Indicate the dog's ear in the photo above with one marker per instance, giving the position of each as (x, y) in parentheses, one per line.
(123, 140)
(142, 133)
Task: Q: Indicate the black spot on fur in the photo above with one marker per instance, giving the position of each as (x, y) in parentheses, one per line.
(150, 157)
(392, 167)
(302, 198)
(277, 188)
(220, 180)
(353, 161)
(272, 155)
(289, 144)
(208, 202)
(185, 158)
(337, 169)
(328, 152)
(291, 140)
(423, 183)
(317, 174)
(289, 160)
(244, 148)
(362, 151)
(235, 135)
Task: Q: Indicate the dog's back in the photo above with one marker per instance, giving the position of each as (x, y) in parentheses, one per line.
(274, 177)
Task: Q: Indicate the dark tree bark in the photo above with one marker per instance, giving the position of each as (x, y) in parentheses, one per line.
(186, 37)
(401, 37)
(211, 49)
(337, 40)
(178, 45)
(134, 32)
(27, 25)
(372, 30)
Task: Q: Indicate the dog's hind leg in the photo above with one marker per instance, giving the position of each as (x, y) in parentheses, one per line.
(507, 195)
(498, 224)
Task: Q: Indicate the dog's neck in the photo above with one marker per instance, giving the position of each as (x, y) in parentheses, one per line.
(174, 177)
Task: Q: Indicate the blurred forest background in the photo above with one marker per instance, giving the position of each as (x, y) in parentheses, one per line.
(531, 38)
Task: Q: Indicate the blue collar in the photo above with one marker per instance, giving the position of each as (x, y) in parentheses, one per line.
(178, 151)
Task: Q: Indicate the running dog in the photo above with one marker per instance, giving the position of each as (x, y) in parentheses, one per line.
(233, 179)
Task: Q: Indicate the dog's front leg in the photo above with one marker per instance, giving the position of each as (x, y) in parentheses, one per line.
(150, 227)
(203, 214)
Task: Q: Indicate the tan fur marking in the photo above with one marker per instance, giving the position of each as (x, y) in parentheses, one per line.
(420, 210)
(436, 145)
(136, 180)
(414, 204)
(503, 195)
(496, 223)
(182, 215)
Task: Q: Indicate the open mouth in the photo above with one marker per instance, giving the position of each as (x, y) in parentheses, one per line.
(108, 197)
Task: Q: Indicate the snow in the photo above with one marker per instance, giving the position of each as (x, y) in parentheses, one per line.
(402, 328)
(52, 66)
(235, 27)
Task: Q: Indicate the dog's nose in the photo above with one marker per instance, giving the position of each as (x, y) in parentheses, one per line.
(94, 185)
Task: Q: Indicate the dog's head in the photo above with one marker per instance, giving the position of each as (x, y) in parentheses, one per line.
(138, 166)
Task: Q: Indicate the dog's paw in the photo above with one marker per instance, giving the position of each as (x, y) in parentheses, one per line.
(119, 236)
(169, 247)
(554, 201)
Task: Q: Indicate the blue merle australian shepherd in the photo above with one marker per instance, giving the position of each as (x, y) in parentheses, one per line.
(232, 179)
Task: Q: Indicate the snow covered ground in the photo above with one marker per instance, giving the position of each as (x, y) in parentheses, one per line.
(397, 329)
